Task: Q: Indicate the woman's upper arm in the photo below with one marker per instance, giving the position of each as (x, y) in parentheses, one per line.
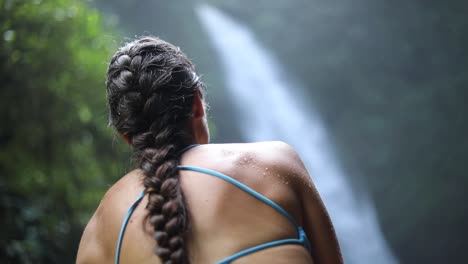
(316, 221)
(318, 226)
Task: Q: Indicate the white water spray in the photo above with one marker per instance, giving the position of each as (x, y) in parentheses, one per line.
(268, 111)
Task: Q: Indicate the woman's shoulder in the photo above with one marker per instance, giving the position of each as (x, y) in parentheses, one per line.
(267, 150)
(253, 163)
(277, 154)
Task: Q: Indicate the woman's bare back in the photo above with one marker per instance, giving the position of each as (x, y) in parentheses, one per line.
(223, 219)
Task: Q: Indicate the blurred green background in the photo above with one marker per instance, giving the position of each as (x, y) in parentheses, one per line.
(389, 79)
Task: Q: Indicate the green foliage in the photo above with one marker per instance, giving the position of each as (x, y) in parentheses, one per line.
(56, 153)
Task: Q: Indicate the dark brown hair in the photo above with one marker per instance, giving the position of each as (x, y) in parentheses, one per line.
(150, 89)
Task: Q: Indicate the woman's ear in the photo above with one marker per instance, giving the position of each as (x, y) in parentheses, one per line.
(198, 122)
(198, 110)
(126, 139)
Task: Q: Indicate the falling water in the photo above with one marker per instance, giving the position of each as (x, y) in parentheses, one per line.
(269, 111)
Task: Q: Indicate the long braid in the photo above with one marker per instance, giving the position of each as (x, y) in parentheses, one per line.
(166, 207)
(150, 88)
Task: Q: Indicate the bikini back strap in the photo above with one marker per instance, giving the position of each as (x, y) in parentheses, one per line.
(243, 187)
(301, 238)
(124, 226)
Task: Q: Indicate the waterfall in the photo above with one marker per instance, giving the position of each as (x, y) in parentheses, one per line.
(269, 110)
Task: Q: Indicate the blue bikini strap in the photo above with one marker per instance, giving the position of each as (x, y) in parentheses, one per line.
(302, 237)
(302, 240)
(124, 226)
(242, 187)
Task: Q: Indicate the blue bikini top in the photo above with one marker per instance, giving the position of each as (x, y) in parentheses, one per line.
(301, 238)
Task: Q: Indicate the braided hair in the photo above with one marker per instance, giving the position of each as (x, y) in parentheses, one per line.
(150, 89)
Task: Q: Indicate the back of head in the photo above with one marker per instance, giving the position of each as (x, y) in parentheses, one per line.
(151, 87)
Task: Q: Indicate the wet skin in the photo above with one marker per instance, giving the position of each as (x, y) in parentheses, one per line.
(223, 219)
